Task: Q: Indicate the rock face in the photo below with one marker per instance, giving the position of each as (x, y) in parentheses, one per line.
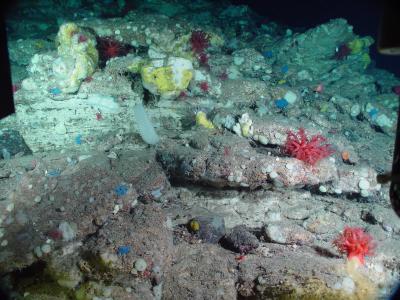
(317, 44)
(82, 193)
(302, 277)
(48, 120)
(144, 233)
(80, 222)
(216, 206)
(201, 266)
(12, 143)
(240, 240)
(230, 162)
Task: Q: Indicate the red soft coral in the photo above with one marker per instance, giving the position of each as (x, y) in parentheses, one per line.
(309, 150)
(199, 41)
(110, 48)
(356, 243)
(204, 86)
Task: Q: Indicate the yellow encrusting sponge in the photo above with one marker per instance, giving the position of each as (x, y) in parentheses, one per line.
(201, 120)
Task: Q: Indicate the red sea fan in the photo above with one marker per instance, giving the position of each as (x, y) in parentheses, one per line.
(199, 41)
(355, 243)
(310, 150)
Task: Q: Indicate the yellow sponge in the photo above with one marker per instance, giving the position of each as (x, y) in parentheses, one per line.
(201, 120)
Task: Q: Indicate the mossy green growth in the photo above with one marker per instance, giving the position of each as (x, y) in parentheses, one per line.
(312, 289)
(88, 290)
(359, 48)
(39, 44)
(359, 45)
(324, 108)
(45, 291)
(366, 60)
(216, 40)
(66, 276)
(136, 65)
(35, 283)
(180, 47)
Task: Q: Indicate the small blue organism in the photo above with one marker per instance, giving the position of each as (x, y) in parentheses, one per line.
(281, 103)
(54, 173)
(55, 91)
(123, 250)
(373, 113)
(157, 193)
(285, 69)
(268, 54)
(78, 139)
(121, 190)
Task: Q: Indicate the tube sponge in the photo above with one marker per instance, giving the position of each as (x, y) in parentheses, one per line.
(144, 126)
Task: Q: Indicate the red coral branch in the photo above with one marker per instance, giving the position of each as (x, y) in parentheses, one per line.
(200, 41)
(310, 150)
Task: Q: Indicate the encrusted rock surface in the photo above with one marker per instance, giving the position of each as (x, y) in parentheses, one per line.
(110, 229)
(217, 209)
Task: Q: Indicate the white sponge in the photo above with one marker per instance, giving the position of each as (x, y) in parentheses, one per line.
(144, 126)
